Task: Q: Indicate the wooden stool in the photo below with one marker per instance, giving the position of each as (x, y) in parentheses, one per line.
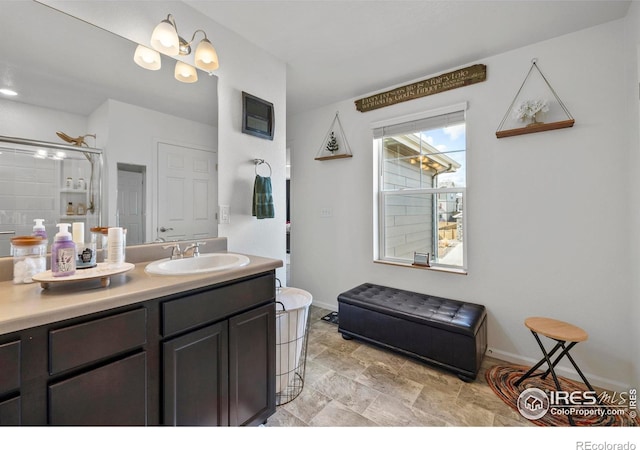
(561, 332)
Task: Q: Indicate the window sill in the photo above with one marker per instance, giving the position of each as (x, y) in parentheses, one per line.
(433, 268)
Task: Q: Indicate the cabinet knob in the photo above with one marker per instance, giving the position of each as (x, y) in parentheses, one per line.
(164, 230)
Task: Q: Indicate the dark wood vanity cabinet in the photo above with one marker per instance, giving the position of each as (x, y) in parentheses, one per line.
(252, 360)
(113, 394)
(222, 372)
(204, 357)
(196, 378)
(10, 383)
(107, 359)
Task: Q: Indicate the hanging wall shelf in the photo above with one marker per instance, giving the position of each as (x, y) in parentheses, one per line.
(334, 145)
(533, 107)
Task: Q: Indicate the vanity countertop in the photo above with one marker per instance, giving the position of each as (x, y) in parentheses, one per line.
(28, 305)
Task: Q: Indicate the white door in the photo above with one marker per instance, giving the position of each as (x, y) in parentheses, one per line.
(131, 205)
(187, 193)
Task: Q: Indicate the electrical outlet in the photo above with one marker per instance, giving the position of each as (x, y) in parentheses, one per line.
(224, 214)
(326, 212)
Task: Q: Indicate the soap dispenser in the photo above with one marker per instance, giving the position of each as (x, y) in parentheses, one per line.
(39, 230)
(63, 252)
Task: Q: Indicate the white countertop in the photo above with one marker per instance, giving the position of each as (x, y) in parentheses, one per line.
(28, 305)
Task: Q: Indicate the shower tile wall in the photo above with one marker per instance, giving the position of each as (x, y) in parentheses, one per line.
(30, 188)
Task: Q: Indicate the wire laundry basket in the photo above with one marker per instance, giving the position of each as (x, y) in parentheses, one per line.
(292, 330)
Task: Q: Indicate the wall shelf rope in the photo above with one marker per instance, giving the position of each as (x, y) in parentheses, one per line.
(530, 111)
(334, 145)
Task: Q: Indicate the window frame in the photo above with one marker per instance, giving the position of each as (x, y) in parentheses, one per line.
(380, 195)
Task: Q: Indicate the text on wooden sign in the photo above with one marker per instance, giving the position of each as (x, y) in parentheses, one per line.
(452, 80)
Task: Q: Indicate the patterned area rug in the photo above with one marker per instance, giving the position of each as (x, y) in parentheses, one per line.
(534, 399)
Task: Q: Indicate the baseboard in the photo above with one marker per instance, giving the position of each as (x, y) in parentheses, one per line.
(564, 371)
(329, 306)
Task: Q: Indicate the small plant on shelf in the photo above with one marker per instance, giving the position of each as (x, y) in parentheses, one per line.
(332, 144)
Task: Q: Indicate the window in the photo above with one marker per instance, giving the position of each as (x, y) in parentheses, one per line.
(421, 188)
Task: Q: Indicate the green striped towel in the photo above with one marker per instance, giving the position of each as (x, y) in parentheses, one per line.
(262, 198)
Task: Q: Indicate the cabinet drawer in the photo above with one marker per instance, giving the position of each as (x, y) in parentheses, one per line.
(92, 341)
(205, 307)
(115, 394)
(9, 367)
(10, 412)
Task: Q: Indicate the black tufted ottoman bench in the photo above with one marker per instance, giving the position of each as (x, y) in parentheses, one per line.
(448, 333)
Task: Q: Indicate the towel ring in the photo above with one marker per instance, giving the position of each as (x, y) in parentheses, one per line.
(262, 161)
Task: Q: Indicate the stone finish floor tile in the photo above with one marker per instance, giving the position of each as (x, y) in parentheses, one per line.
(387, 380)
(389, 411)
(307, 405)
(342, 363)
(354, 384)
(347, 391)
(335, 414)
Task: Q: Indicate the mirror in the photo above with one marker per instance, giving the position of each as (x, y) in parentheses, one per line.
(80, 79)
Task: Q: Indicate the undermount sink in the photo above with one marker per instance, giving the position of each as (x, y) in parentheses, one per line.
(206, 262)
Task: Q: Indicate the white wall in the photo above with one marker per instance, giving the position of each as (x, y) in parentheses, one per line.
(34, 122)
(243, 66)
(633, 55)
(133, 136)
(547, 229)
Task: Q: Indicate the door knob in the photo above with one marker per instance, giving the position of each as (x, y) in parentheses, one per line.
(164, 230)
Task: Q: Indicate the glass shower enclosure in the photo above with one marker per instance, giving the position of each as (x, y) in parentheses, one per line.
(50, 181)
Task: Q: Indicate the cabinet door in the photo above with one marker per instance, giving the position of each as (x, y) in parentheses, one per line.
(115, 394)
(10, 381)
(252, 347)
(196, 378)
(10, 412)
(9, 367)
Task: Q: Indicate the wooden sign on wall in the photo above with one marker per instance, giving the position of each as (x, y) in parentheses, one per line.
(452, 80)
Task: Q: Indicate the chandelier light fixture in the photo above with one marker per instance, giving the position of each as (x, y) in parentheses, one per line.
(165, 39)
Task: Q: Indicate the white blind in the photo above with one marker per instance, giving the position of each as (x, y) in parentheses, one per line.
(422, 124)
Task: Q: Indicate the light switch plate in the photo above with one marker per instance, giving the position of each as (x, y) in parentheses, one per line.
(223, 214)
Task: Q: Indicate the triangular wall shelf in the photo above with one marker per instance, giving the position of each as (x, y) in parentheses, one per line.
(533, 107)
(334, 139)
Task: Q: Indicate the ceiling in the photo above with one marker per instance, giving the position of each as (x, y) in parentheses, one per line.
(340, 49)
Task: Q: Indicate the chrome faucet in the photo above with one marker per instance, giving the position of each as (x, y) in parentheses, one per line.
(194, 249)
(176, 253)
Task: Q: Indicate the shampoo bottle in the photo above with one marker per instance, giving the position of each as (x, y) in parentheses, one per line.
(63, 252)
(39, 230)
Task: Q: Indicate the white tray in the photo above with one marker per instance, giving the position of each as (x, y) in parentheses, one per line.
(102, 271)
